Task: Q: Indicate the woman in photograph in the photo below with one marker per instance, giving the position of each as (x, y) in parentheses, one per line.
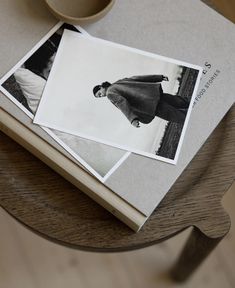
(141, 98)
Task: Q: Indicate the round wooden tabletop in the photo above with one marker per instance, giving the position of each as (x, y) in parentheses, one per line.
(52, 207)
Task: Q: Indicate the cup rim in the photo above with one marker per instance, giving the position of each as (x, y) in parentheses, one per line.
(71, 18)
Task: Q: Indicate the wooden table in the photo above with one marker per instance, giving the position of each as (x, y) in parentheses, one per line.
(51, 207)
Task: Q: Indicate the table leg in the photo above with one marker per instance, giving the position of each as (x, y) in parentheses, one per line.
(197, 248)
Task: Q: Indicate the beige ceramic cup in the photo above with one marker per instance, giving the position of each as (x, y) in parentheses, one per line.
(79, 11)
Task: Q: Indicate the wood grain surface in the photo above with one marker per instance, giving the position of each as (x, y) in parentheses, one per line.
(52, 207)
(45, 202)
(38, 263)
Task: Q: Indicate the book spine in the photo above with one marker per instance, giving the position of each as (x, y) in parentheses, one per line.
(70, 171)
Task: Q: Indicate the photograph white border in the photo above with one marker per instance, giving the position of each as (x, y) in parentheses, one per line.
(47, 130)
(123, 147)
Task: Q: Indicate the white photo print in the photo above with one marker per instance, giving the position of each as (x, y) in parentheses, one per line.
(119, 96)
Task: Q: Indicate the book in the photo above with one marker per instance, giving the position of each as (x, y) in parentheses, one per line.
(132, 199)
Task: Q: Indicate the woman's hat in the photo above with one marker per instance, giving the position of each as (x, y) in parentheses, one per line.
(96, 89)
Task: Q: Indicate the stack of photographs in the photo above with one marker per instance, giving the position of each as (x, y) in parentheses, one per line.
(102, 101)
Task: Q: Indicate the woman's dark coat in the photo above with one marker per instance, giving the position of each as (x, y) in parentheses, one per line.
(137, 97)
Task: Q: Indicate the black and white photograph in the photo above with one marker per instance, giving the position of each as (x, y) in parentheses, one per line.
(27, 82)
(24, 85)
(119, 96)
